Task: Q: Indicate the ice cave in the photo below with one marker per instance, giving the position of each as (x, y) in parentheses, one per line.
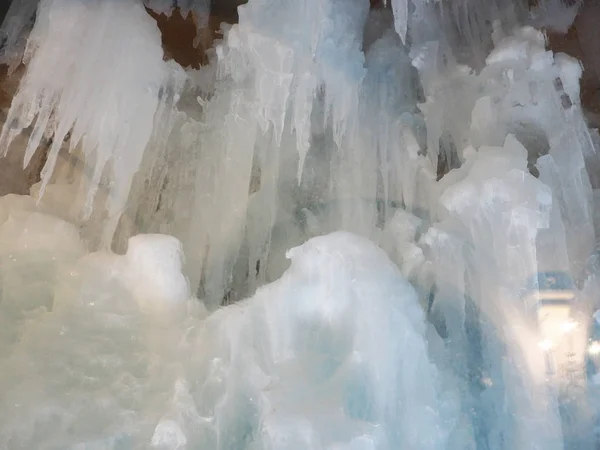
(299, 225)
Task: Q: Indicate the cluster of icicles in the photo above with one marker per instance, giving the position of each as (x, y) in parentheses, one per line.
(370, 199)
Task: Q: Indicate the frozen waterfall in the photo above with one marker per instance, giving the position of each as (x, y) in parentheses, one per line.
(362, 225)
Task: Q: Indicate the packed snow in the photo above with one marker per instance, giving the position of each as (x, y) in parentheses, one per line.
(355, 228)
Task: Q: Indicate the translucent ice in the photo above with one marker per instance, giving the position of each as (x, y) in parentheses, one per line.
(298, 366)
(500, 208)
(273, 67)
(89, 74)
(306, 121)
(106, 351)
(400, 8)
(13, 32)
(34, 248)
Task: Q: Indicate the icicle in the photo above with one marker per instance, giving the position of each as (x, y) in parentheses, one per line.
(400, 8)
(97, 69)
(270, 68)
(14, 29)
(321, 57)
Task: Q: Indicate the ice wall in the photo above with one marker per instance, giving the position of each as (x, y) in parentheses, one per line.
(468, 168)
(313, 143)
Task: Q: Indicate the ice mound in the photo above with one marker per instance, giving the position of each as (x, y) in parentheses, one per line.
(332, 355)
(33, 249)
(96, 371)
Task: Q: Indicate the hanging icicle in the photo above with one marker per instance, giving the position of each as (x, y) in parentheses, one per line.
(95, 70)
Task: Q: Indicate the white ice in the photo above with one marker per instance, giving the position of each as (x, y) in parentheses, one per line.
(74, 48)
(323, 239)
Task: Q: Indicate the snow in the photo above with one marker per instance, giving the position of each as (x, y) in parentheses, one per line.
(322, 240)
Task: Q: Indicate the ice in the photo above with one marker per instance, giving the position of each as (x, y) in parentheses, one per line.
(13, 32)
(154, 264)
(400, 8)
(34, 247)
(555, 87)
(74, 48)
(556, 15)
(280, 339)
(279, 80)
(367, 200)
(114, 317)
(264, 365)
(482, 203)
(12, 203)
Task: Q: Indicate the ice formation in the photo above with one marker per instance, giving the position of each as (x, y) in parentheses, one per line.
(380, 193)
(72, 49)
(13, 31)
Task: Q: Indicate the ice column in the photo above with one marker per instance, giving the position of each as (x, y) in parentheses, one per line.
(535, 95)
(500, 208)
(271, 66)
